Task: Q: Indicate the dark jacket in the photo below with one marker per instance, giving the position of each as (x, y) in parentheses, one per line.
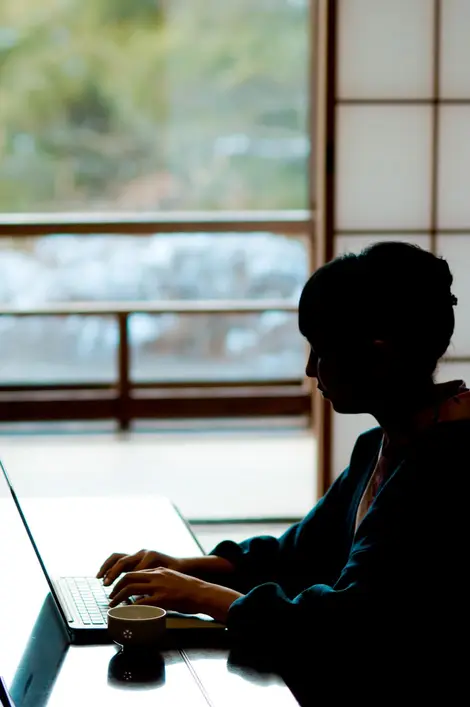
(391, 597)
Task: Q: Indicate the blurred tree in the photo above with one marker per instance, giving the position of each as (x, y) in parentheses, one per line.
(202, 104)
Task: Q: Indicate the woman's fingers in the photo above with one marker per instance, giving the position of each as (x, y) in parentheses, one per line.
(153, 600)
(131, 578)
(124, 564)
(118, 563)
(149, 560)
(107, 564)
(129, 590)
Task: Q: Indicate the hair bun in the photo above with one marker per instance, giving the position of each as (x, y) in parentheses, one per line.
(453, 300)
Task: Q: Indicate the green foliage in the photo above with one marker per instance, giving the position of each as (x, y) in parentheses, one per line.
(149, 104)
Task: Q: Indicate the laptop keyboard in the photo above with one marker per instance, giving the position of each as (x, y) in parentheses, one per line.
(90, 599)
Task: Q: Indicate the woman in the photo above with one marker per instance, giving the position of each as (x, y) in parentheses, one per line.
(373, 571)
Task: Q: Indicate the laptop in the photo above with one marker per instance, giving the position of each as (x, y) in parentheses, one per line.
(5, 699)
(35, 676)
(83, 605)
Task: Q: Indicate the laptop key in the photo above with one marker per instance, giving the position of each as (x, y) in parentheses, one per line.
(91, 600)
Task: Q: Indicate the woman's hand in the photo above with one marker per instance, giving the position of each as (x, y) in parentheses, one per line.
(170, 589)
(118, 563)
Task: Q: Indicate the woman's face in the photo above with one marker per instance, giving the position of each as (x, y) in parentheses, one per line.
(347, 376)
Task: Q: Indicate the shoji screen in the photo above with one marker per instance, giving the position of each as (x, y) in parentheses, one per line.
(402, 148)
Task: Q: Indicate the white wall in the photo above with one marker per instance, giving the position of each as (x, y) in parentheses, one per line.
(387, 157)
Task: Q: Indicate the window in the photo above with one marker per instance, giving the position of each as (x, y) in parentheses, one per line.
(111, 105)
(155, 222)
(401, 116)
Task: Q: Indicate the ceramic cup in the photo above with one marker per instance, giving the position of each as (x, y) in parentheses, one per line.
(136, 625)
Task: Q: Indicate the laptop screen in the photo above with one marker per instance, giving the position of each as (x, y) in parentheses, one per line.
(5, 699)
(34, 640)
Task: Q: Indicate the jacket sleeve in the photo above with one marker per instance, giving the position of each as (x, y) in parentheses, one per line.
(307, 550)
(392, 576)
(313, 550)
(267, 616)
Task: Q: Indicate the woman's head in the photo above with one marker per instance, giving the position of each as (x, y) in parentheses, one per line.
(377, 323)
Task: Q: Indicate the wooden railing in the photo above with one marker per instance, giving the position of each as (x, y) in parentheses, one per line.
(287, 223)
(126, 399)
